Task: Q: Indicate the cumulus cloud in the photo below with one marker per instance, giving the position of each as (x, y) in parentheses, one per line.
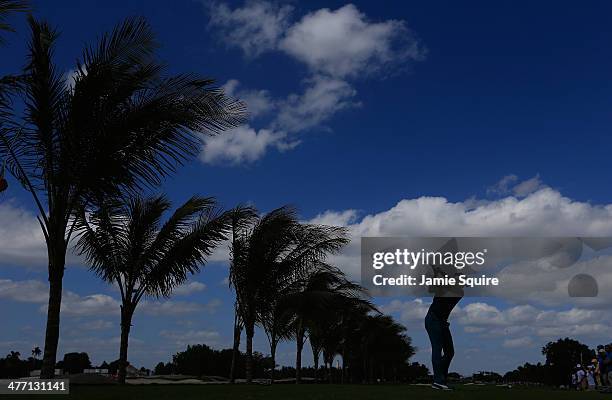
(259, 102)
(510, 184)
(75, 305)
(543, 213)
(323, 98)
(517, 325)
(95, 304)
(342, 218)
(338, 43)
(254, 28)
(182, 338)
(243, 144)
(22, 239)
(520, 342)
(30, 291)
(334, 45)
(172, 308)
(344, 42)
(529, 186)
(97, 325)
(189, 288)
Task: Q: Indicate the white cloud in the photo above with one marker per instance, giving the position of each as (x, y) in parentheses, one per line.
(189, 288)
(515, 324)
(259, 102)
(409, 311)
(520, 342)
(338, 43)
(502, 187)
(22, 239)
(242, 145)
(254, 28)
(344, 43)
(97, 325)
(33, 291)
(207, 337)
(509, 184)
(529, 186)
(172, 308)
(544, 213)
(29, 291)
(322, 98)
(343, 218)
(75, 305)
(335, 45)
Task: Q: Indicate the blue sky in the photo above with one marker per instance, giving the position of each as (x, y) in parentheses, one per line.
(439, 117)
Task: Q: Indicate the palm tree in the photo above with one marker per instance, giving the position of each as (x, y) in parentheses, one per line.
(127, 245)
(36, 352)
(267, 262)
(380, 345)
(7, 83)
(241, 219)
(248, 269)
(8, 7)
(123, 125)
(325, 289)
(330, 333)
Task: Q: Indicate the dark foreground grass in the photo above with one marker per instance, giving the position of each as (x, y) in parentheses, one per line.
(310, 392)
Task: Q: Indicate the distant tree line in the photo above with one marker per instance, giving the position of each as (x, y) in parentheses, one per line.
(201, 360)
(562, 356)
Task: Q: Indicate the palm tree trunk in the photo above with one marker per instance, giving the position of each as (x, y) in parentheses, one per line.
(315, 360)
(250, 331)
(126, 324)
(236, 348)
(298, 353)
(273, 356)
(342, 377)
(57, 257)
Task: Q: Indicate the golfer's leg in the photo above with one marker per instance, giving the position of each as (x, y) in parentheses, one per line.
(433, 327)
(448, 348)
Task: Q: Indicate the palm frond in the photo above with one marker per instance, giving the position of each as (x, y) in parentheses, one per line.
(8, 7)
(186, 254)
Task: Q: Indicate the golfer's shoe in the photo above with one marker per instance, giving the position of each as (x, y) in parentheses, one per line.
(440, 386)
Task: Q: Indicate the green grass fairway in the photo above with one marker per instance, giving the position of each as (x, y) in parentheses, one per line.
(310, 392)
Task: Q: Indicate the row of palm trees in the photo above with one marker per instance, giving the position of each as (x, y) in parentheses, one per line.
(121, 126)
(85, 150)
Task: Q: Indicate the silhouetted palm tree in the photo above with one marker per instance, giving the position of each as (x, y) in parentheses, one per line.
(8, 7)
(36, 352)
(127, 245)
(383, 345)
(330, 332)
(7, 83)
(325, 289)
(267, 261)
(249, 266)
(119, 125)
(241, 219)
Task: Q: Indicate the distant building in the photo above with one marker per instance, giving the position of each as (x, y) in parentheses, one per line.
(133, 372)
(36, 372)
(101, 371)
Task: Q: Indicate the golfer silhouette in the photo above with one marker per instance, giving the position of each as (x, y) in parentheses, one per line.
(436, 321)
